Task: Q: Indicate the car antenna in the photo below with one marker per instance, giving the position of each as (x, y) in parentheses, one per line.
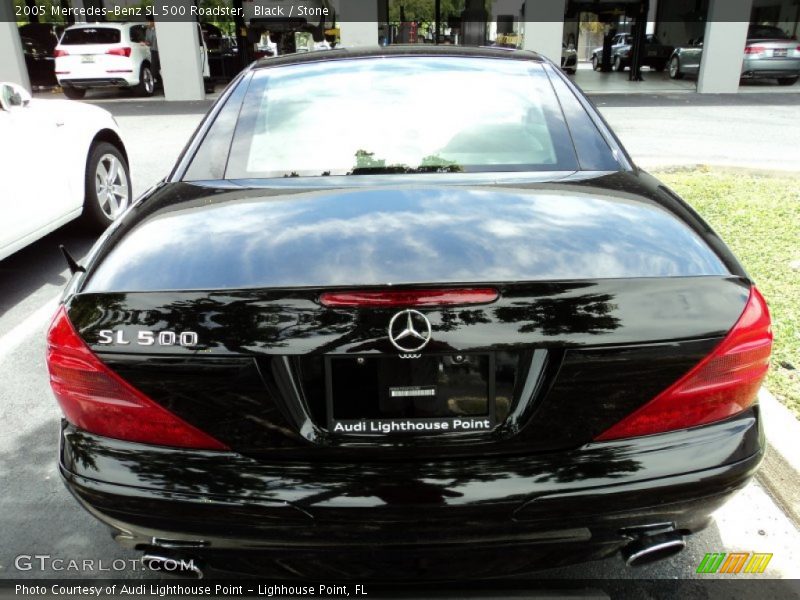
(73, 265)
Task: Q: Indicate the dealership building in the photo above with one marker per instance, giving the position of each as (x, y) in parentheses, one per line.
(540, 25)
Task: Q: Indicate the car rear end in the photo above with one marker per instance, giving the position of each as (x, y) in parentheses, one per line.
(452, 375)
(96, 56)
(772, 58)
(655, 54)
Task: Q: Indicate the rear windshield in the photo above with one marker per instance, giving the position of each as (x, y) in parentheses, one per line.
(90, 35)
(765, 31)
(400, 115)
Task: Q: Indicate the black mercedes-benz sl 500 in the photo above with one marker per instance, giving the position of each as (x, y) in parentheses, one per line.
(407, 313)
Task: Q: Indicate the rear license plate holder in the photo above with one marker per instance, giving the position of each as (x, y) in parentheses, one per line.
(780, 53)
(395, 395)
(87, 58)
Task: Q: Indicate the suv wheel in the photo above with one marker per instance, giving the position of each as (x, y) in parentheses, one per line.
(147, 84)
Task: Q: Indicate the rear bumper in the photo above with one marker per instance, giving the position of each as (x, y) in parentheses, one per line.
(85, 83)
(480, 516)
(770, 68)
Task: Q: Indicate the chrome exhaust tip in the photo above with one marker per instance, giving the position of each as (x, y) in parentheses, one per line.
(651, 548)
(173, 565)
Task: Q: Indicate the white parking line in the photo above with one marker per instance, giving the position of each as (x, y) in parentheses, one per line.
(27, 328)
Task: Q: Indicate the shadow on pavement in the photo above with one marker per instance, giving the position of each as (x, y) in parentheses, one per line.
(41, 263)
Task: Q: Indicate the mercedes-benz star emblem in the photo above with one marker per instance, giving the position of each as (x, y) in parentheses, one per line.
(409, 330)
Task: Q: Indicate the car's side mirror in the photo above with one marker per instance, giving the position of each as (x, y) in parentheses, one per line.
(13, 96)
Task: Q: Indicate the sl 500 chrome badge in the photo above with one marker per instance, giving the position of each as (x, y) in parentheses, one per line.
(148, 338)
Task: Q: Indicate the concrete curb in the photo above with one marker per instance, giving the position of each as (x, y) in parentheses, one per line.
(780, 471)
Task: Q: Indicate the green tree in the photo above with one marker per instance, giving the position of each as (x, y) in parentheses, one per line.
(423, 10)
(228, 27)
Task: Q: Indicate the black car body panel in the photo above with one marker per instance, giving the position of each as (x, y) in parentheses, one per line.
(662, 300)
(256, 382)
(485, 517)
(606, 290)
(387, 235)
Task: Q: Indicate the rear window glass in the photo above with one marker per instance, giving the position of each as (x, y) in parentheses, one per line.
(400, 115)
(764, 31)
(138, 33)
(91, 35)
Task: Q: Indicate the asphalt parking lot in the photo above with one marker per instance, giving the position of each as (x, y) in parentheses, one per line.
(37, 515)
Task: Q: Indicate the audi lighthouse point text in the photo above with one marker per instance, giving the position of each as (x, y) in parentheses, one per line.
(466, 337)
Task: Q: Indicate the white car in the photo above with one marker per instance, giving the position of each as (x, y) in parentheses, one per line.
(99, 55)
(102, 55)
(59, 160)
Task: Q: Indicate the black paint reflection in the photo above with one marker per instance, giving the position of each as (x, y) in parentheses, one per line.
(291, 322)
(589, 314)
(238, 386)
(384, 235)
(325, 489)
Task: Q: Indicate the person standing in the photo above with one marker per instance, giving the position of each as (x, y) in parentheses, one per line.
(151, 40)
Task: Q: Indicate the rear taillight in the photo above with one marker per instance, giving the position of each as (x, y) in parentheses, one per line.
(97, 400)
(404, 298)
(126, 51)
(755, 50)
(723, 384)
(58, 52)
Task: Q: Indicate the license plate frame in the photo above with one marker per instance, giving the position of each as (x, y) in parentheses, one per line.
(87, 59)
(411, 426)
(780, 53)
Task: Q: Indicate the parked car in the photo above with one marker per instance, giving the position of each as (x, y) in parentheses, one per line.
(223, 53)
(91, 56)
(467, 341)
(656, 55)
(569, 59)
(83, 172)
(102, 55)
(38, 43)
(38, 63)
(47, 34)
(768, 54)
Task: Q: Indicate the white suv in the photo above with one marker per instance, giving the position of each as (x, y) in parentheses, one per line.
(95, 55)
